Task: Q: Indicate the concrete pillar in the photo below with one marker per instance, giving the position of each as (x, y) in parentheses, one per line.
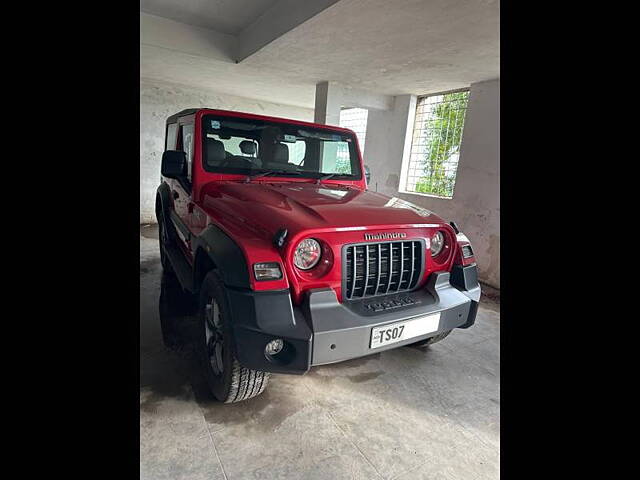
(328, 103)
(389, 143)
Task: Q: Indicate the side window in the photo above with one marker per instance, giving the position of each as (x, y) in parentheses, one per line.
(343, 159)
(172, 135)
(187, 142)
(296, 151)
(335, 158)
(232, 145)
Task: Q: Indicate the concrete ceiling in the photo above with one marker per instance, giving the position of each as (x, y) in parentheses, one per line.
(224, 77)
(388, 47)
(225, 16)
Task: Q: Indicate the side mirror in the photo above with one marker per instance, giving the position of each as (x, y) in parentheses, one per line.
(173, 164)
(367, 174)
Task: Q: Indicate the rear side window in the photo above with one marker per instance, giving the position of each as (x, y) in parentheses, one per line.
(172, 135)
(187, 142)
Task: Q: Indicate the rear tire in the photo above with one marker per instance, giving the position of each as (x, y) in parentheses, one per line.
(164, 239)
(228, 380)
(430, 341)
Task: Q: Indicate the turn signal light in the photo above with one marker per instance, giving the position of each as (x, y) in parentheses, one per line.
(267, 271)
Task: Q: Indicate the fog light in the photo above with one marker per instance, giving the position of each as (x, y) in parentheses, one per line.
(274, 347)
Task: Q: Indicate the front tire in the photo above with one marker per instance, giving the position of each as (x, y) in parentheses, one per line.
(228, 380)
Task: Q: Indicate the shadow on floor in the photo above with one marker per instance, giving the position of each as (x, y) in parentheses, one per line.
(170, 370)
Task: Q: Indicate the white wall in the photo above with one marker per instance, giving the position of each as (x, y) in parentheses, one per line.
(388, 141)
(475, 205)
(160, 100)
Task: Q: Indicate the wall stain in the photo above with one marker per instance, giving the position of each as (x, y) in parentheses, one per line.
(393, 181)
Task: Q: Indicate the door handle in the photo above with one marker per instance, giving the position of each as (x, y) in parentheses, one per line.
(175, 195)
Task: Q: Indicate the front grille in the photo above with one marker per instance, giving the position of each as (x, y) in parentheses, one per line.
(380, 268)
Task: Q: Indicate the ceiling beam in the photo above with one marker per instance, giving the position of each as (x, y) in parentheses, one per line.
(180, 37)
(284, 16)
(355, 97)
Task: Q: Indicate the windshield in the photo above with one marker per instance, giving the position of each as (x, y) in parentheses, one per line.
(252, 147)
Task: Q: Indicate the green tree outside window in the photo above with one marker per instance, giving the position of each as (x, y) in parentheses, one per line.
(444, 127)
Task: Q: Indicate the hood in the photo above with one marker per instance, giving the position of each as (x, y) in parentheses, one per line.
(267, 207)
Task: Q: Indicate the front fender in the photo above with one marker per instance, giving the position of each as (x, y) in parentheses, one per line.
(226, 255)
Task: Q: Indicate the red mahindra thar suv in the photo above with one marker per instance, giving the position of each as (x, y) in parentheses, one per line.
(268, 222)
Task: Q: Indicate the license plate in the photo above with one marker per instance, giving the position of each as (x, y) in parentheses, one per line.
(396, 332)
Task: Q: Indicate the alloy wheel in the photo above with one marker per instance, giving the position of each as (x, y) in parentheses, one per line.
(213, 337)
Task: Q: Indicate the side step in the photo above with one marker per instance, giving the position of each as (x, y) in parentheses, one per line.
(181, 267)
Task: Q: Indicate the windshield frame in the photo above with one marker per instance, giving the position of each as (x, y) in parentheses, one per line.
(299, 173)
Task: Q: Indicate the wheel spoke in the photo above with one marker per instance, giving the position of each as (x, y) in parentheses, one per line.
(213, 336)
(215, 315)
(209, 329)
(218, 354)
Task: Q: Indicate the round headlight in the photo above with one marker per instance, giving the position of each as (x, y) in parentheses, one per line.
(307, 254)
(437, 242)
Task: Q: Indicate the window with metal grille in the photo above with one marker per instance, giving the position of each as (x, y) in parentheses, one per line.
(354, 119)
(435, 147)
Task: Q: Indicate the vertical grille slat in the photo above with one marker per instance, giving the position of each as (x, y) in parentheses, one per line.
(390, 269)
(401, 266)
(413, 263)
(378, 270)
(366, 271)
(354, 263)
(381, 268)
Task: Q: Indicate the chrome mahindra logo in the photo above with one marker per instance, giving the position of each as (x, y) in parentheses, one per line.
(384, 236)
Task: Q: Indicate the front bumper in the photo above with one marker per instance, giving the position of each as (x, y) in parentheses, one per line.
(323, 330)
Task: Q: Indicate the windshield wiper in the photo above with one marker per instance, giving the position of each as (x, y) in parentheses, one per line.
(270, 172)
(326, 177)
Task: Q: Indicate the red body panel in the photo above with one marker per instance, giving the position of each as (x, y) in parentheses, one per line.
(335, 212)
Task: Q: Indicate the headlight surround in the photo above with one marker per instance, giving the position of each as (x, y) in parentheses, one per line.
(307, 254)
(437, 243)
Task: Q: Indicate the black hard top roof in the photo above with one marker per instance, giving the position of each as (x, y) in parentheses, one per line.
(174, 118)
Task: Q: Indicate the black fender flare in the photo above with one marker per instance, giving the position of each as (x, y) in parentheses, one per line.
(227, 256)
(166, 205)
(164, 195)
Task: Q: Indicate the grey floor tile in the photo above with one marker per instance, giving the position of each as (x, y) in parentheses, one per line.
(174, 440)
(304, 444)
